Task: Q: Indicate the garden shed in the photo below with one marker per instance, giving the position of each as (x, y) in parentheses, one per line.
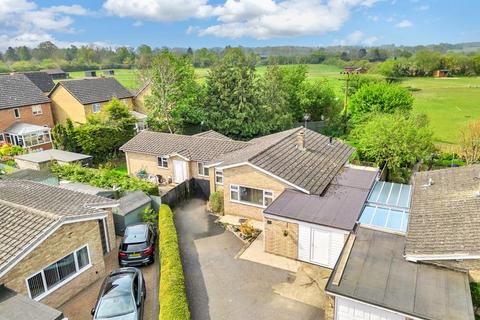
(108, 72)
(42, 160)
(130, 210)
(91, 73)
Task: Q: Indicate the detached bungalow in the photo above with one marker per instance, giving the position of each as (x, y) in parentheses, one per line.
(52, 240)
(76, 99)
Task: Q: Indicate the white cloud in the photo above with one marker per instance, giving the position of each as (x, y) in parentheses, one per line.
(404, 24)
(159, 10)
(357, 38)
(423, 7)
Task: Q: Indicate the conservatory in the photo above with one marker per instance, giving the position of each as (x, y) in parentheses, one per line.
(27, 135)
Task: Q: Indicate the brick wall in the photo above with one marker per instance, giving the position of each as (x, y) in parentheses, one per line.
(64, 241)
(7, 117)
(329, 307)
(281, 238)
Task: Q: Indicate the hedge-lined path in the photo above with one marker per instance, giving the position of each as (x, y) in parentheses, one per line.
(222, 287)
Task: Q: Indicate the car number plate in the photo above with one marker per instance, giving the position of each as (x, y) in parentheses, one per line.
(135, 255)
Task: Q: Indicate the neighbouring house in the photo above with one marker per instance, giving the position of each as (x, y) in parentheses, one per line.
(313, 228)
(140, 95)
(17, 306)
(77, 99)
(91, 73)
(389, 270)
(56, 74)
(25, 113)
(42, 160)
(175, 158)
(53, 241)
(442, 73)
(130, 210)
(42, 80)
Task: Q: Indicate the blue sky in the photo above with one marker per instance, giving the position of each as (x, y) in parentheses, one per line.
(215, 23)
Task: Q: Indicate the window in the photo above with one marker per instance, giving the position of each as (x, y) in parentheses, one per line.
(218, 176)
(50, 278)
(162, 162)
(202, 171)
(2, 137)
(36, 110)
(35, 138)
(96, 107)
(16, 112)
(252, 196)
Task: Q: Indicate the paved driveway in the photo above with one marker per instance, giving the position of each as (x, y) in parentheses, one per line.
(222, 287)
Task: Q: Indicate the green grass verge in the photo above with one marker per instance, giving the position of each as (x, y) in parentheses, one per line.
(127, 77)
(172, 297)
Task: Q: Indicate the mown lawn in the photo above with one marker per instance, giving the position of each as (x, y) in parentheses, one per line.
(127, 77)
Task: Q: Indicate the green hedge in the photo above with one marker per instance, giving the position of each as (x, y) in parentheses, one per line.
(172, 298)
(103, 178)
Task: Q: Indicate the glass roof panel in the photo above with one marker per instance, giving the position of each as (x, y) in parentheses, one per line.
(395, 192)
(367, 215)
(404, 200)
(376, 191)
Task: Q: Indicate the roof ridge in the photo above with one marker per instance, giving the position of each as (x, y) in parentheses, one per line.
(45, 214)
(200, 137)
(294, 130)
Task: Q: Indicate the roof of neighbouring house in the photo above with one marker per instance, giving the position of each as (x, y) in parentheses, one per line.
(444, 213)
(339, 207)
(83, 188)
(196, 148)
(311, 169)
(93, 90)
(131, 201)
(29, 211)
(53, 71)
(376, 273)
(53, 154)
(16, 306)
(18, 91)
(143, 87)
(41, 79)
(212, 134)
(43, 176)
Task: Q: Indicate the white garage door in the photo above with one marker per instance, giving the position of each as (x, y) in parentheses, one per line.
(351, 310)
(320, 245)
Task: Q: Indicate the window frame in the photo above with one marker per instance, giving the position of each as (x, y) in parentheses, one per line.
(201, 169)
(217, 175)
(78, 271)
(96, 105)
(39, 110)
(160, 162)
(237, 187)
(15, 112)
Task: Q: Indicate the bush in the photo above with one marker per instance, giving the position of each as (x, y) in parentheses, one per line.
(8, 150)
(172, 298)
(475, 292)
(103, 178)
(216, 201)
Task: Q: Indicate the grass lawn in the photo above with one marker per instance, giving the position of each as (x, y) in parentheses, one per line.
(121, 169)
(127, 77)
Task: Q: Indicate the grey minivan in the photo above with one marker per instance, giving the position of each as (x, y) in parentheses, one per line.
(122, 296)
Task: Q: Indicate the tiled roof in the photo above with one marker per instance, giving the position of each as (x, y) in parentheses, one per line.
(29, 210)
(445, 214)
(311, 169)
(17, 90)
(53, 71)
(41, 79)
(93, 90)
(192, 147)
(212, 134)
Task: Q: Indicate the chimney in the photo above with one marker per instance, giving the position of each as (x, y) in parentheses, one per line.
(301, 140)
(330, 140)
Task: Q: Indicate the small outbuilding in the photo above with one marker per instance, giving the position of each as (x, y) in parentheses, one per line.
(108, 72)
(442, 73)
(56, 74)
(130, 210)
(91, 73)
(43, 159)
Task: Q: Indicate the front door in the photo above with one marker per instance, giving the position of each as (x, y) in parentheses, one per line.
(179, 171)
(320, 246)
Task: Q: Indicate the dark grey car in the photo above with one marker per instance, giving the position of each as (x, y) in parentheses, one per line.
(122, 296)
(137, 247)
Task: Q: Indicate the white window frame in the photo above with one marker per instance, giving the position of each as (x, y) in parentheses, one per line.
(2, 137)
(161, 164)
(15, 112)
(96, 108)
(78, 272)
(201, 169)
(236, 188)
(37, 110)
(218, 174)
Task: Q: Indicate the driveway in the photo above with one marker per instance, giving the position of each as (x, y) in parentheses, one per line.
(78, 308)
(222, 287)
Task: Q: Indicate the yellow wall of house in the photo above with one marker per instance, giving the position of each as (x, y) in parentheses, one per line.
(139, 100)
(65, 106)
(89, 107)
(249, 177)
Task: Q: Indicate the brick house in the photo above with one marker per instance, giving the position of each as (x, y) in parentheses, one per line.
(25, 113)
(53, 240)
(77, 99)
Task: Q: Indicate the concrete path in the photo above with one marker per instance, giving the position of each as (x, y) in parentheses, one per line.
(222, 287)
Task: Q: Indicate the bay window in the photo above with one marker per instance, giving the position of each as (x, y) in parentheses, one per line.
(251, 196)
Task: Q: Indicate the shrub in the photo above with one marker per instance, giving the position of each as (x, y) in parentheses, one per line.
(8, 150)
(216, 201)
(103, 178)
(172, 298)
(475, 292)
(150, 216)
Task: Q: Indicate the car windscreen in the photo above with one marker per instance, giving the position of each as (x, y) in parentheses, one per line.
(132, 247)
(114, 306)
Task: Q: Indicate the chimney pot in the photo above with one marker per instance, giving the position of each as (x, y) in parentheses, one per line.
(301, 140)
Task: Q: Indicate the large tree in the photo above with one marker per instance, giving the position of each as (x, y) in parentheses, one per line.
(173, 94)
(232, 99)
(294, 77)
(318, 99)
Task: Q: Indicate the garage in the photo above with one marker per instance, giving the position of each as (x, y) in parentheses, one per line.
(351, 310)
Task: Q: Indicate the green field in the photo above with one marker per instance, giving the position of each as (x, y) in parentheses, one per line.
(450, 103)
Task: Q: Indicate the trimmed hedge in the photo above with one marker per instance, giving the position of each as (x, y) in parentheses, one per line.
(172, 298)
(216, 201)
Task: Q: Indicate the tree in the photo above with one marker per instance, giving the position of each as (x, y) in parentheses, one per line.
(380, 97)
(118, 115)
(144, 56)
(64, 136)
(233, 100)
(294, 77)
(318, 99)
(470, 142)
(10, 55)
(24, 53)
(476, 64)
(393, 140)
(173, 91)
(427, 61)
(45, 50)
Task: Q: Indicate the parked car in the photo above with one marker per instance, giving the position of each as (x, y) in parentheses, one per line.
(122, 296)
(138, 246)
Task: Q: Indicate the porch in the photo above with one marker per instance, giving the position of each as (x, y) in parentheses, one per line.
(27, 135)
